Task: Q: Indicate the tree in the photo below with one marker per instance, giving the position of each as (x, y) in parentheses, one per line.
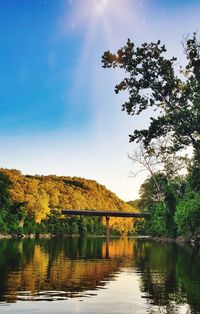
(187, 216)
(5, 201)
(5, 184)
(193, 177)
(11, 213)
(152, 82)
(161, 207)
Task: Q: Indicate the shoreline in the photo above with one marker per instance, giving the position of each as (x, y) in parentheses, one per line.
(49, 235)
(179, 240)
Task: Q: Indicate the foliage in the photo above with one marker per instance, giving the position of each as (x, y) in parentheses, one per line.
(161, 204)
(193, 176)
(187, 215)
(152, 81)
(135, 203)
(11, 214)
(34, 204)
(177, 212)
(5, 184)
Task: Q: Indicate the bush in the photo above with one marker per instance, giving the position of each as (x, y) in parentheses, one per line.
(187, 215)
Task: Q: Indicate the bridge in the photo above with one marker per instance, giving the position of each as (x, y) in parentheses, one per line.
(106, 214)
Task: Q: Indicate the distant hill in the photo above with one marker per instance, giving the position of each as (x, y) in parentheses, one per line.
(41, 194)
(135, 203)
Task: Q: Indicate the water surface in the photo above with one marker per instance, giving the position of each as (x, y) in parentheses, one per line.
(89, 276)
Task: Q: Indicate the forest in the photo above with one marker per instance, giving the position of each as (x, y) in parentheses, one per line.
(32, 205)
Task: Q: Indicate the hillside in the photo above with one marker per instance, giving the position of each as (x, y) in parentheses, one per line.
(41, 194)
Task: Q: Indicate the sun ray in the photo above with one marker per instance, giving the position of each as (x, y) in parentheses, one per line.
(102, 24)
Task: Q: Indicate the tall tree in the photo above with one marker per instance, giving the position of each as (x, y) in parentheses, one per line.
(152, 81)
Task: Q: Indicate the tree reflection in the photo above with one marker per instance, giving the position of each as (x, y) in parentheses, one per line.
(169, 275)
(35, 269)
(63, 265)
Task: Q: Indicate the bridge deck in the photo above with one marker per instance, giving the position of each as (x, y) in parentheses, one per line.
(104, 213)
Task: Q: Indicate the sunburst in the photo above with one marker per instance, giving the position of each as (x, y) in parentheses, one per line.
(101, 6)
(101, 22)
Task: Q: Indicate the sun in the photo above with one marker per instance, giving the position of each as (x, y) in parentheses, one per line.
(101, 6)
(105, 19)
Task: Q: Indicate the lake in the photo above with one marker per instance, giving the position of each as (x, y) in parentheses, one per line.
(72, 275)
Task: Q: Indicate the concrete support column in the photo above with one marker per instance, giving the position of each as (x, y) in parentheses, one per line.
(107, 227)
(107, 236)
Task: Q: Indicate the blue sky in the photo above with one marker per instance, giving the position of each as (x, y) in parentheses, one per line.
(58, 110)
(36, 67)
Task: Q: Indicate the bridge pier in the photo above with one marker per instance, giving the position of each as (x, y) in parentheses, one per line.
(107, 236)
(106, 214)
(107, 227)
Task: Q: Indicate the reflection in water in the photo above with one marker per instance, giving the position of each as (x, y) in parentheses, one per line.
(59, 269)
(170, 275)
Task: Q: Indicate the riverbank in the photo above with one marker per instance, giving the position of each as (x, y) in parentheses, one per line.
(14, 236)
(50, 235)
(178, 240)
